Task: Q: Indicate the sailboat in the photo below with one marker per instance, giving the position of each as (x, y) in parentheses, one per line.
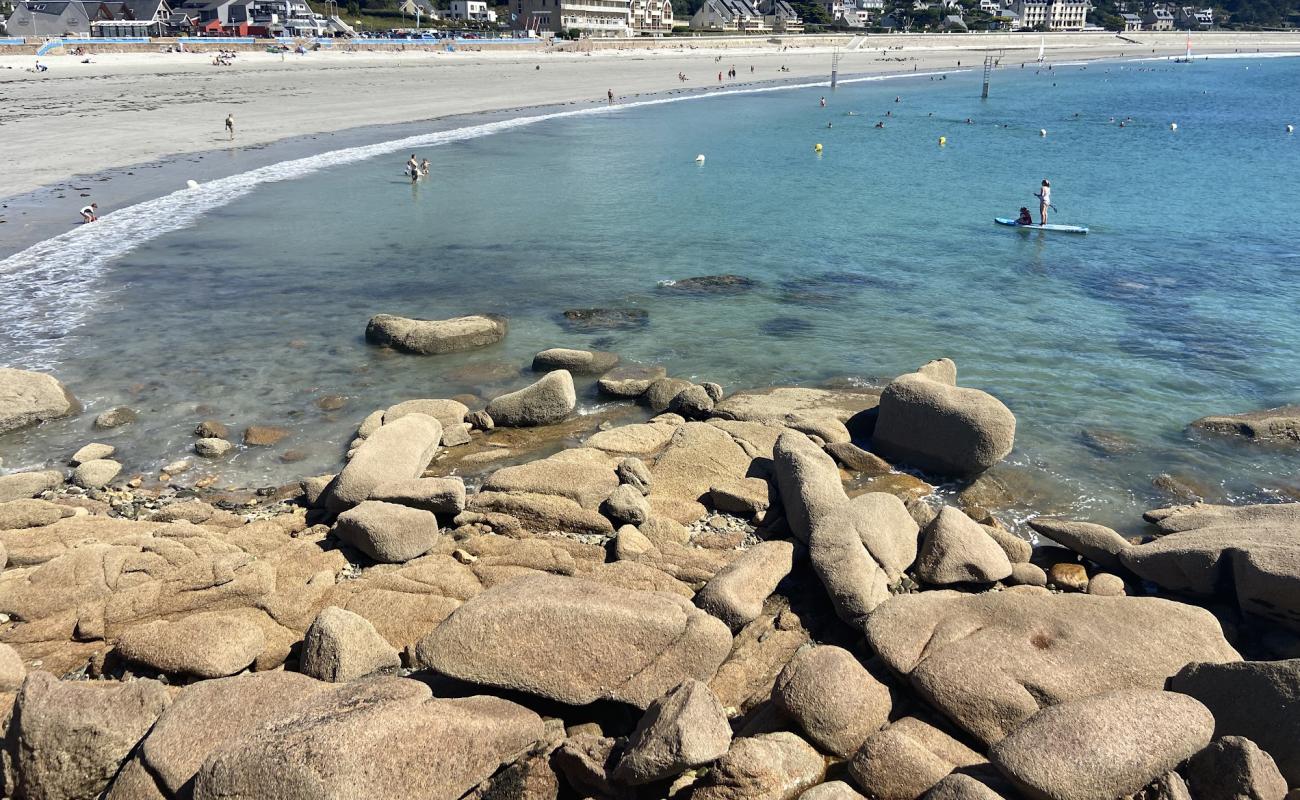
(1187, 59)
(1042, 43)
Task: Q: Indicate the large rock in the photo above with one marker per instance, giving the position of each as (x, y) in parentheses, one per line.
(70, 737)
(941, 427)
(116, 418)
(1097, 543)
(833, 790)
(19, 514)
(684, 729)
(1259, 700)
(1280, 424)
(545, 402)
(992, 660)
(208, 715)
(448, 412)
(1103, 746)
(341, 646)
(958, 786)
(12, 670)
(1234, 767)
(770, 766)
(439, 495)
(542, 513)
(833, 698)
(96, 474)
(397, 451)
(434, 337)
(206, 645)
(388, 532)
(26, 485)
(1257, 561)
(903, 761)
(660, 393)
(27, 398)
(955, 549)
(698, 457)
(858, 548)
(91, 452)
(577, 641)
(381, 738)
(585, 475)
(736, 594)
(578, 362)
(817, 412)
(629, 380)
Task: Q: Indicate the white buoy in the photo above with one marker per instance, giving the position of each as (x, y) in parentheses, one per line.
(1042, 131)
(191, 184)
(1290, 129)
(1173, 126)
(699, 159)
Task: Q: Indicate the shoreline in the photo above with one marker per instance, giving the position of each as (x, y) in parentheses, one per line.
(270, 113)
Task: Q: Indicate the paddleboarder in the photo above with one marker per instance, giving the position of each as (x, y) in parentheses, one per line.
(1044, 200)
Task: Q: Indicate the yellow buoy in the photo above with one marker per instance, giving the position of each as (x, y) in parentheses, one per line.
(943, 140)
(817, 148)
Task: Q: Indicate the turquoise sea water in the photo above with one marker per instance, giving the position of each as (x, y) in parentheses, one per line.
(870, 259)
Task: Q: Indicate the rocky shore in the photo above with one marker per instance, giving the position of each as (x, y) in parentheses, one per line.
(748, 595)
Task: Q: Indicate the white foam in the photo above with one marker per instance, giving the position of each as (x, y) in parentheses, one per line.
(49, 287)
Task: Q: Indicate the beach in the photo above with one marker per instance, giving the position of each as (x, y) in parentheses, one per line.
(712, 445)
(125, 109)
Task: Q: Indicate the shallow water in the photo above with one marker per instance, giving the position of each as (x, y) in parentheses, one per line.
(870, 259)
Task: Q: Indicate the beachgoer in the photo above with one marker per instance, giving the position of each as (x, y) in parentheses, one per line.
(610, 94)
(880, 124)
(823, 102)
(751, 69)
(1025, 217)
(1044, 200)
(90, 213)
(41, 67)
(424, 167)
(230, 125)
(413, 166)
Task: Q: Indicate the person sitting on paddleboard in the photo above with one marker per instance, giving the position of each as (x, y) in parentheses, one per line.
(1044, 201)
(1025, 218)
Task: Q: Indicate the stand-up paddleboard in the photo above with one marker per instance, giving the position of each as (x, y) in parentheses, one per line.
(1037, 227)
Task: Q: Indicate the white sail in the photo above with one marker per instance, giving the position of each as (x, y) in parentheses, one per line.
(1042, 42)
(1189, 47)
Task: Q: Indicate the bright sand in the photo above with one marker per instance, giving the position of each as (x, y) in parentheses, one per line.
(124, 109)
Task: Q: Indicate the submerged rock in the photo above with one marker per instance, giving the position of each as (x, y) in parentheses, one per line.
(585, 320)
(27, 398)
(1280, 424)
(711, 284)
(116, 417)
(434, 337)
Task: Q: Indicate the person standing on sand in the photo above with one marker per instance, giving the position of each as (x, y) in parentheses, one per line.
(610, 94)
(90, 213)
(1044, 201)
(230, 125)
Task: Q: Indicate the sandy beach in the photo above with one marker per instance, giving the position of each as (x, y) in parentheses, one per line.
(125, 109)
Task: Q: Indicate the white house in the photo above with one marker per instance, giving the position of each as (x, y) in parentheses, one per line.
(471, 9)
(650, 17)
(594, 18)
(1057, 15)
(729, 15)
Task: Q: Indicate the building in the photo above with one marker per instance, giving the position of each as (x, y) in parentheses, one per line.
(780, 16)
(1193, 19)
(1055, 15)
(651, 17)
(66, 17)
(1132, 22)
(419, 9)
(990, 7)
(476, 10)
(953, 23)
(135, 18)
(1159, 18)
(594, 18)
(219, 17)
(729, 15)
(287, 18)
